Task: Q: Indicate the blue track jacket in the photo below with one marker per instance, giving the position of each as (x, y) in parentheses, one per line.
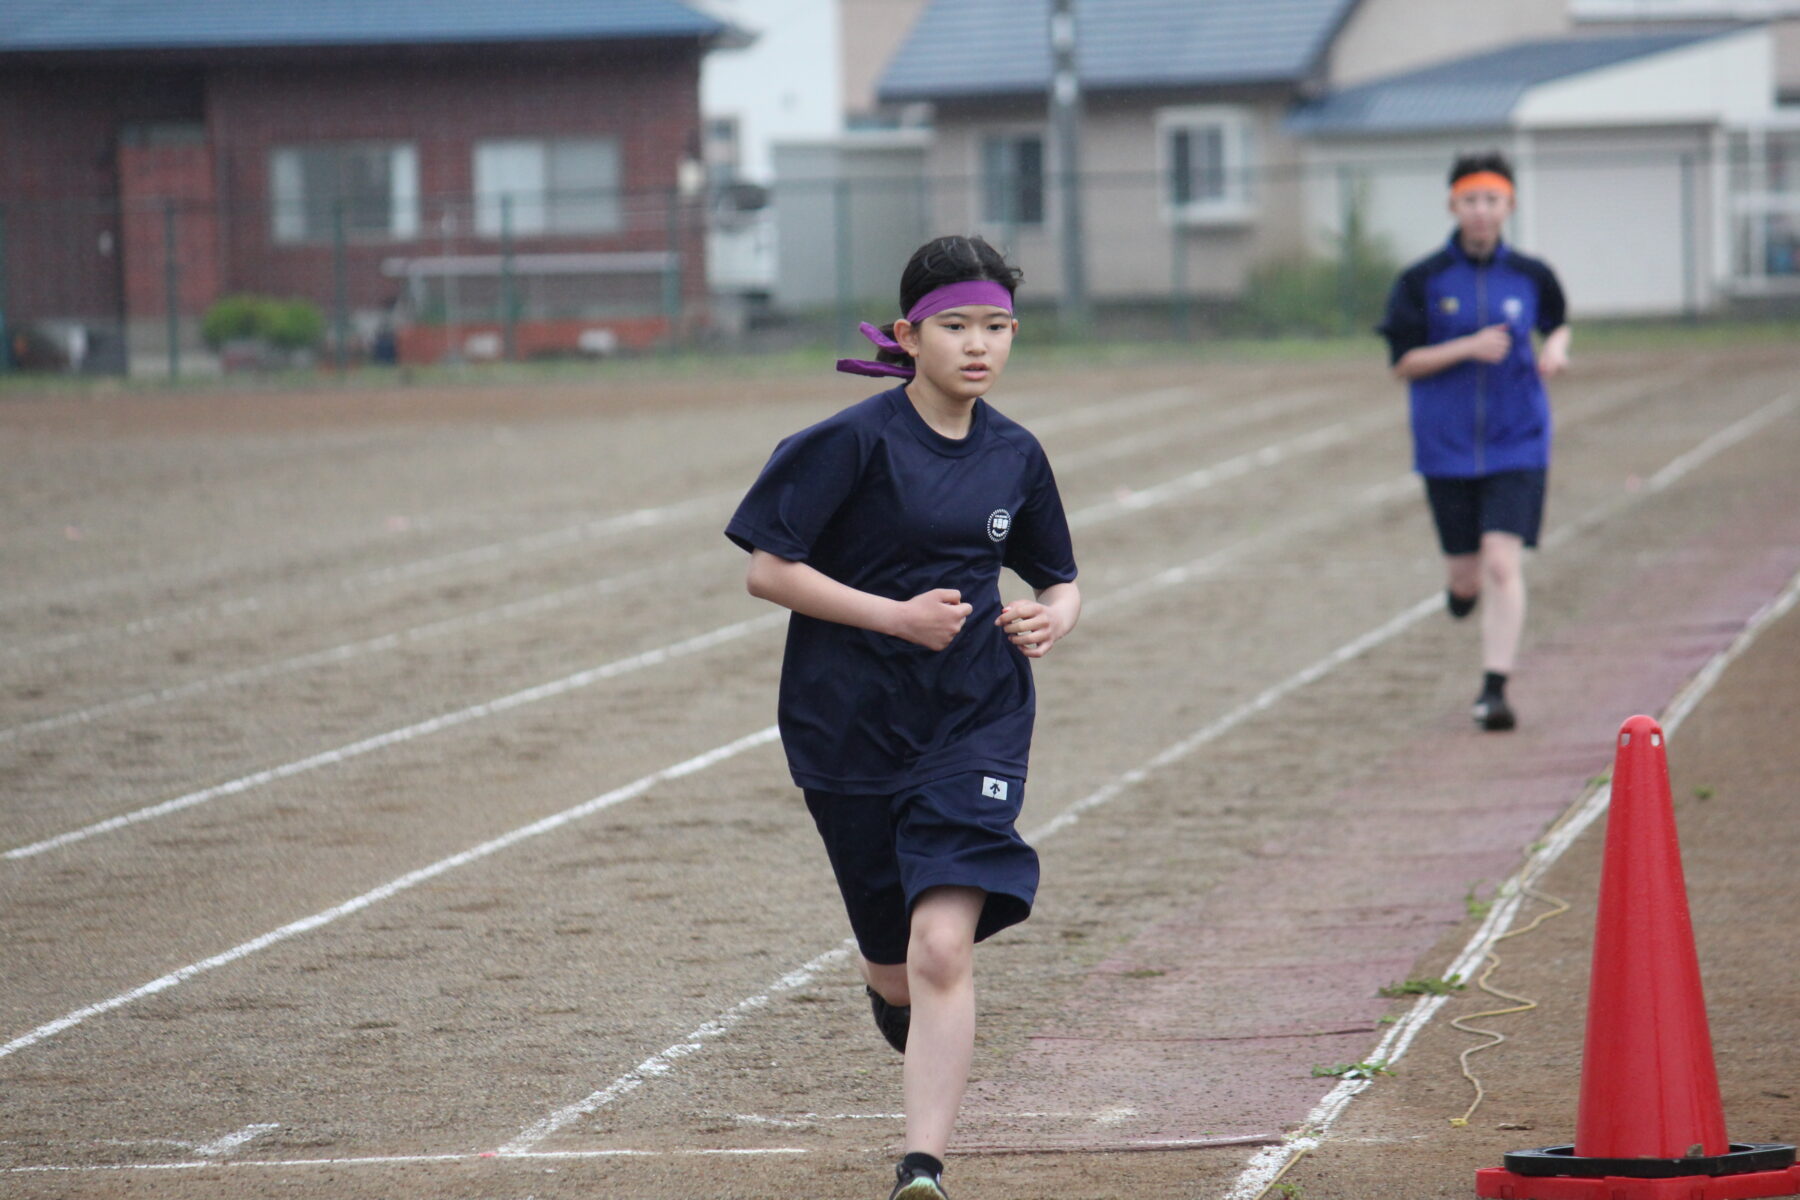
(1476, 419)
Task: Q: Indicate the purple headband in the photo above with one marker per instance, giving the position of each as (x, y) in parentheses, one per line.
(975, 291)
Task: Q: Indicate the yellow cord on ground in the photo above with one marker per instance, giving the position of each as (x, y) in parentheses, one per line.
(1520, 1003)
(1286, 1167)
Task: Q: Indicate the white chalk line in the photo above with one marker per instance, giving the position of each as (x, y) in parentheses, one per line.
(530, 543)
(463, 716)
(1070, 816)
(350, 651)
(534, 605)
(1181, 486)
(411, 879)
(395, 1160)
(1266, 1165)
(661, 1063)
(603, 527)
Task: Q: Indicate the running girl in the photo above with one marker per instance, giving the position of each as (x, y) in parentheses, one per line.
(906, 700)
(1459, 329)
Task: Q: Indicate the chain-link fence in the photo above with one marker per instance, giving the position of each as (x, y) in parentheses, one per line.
(373, 275)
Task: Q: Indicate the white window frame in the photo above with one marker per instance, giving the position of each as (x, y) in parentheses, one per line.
(528, 164)
(290, 207)
(1236, 127)
(1011, 133)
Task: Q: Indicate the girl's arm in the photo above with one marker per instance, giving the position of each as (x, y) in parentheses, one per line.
(1553, 357)
(1036, 625)
(1488, 345)
(931, 619)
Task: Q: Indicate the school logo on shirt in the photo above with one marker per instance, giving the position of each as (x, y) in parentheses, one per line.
(1513, 307)
(1449, 305)
(993, 789)
(999, 524)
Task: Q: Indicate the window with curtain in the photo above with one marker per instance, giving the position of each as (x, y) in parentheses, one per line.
(1012, 179)
(1208, 164)
(552, 185)
(375, 184)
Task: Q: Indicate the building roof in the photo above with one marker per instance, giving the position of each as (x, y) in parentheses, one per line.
(53, 26)
(961, 49)
(1480, 91)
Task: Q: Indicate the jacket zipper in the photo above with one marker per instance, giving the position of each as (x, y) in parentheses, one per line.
(1481, 375)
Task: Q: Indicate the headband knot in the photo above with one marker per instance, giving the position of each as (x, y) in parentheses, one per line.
(975, 291)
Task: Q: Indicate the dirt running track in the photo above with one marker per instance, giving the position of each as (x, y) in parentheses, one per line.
(390, 805)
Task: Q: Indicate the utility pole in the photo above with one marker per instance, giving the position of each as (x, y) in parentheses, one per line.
(1065, 120)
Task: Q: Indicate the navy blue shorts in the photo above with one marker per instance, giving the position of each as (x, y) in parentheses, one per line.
(1504, 502)
(887, 850)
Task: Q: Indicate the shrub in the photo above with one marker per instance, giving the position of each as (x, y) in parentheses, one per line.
(283, 324)
(1321, 296)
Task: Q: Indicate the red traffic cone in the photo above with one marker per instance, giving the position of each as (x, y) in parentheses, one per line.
(1651, 1124)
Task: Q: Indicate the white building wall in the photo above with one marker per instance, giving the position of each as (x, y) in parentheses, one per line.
(786, 86)
(1724, 79)
(1626, 218)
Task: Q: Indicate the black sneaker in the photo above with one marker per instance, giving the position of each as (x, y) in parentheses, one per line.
(1460, 606)
(892, 1019)
(917, 1183)
(1493, 714)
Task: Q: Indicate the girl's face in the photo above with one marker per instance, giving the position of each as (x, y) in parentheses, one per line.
(960, 352)
(1481, 215)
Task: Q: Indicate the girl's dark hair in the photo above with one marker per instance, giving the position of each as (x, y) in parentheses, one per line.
(947, 260)
(1469, 164)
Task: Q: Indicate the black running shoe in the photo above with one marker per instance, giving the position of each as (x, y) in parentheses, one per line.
(892, 1019)
(1494, 714)
(1460, 606)
(916, 1183)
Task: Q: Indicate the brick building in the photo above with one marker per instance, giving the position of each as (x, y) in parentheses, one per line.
(458, 160)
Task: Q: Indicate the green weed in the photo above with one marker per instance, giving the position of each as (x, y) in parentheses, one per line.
(1424, 987)
(1356, 1070)
(1474, 906)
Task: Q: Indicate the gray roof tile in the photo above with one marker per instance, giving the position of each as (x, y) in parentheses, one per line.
(1479, 91)
(971, 48)
(84, 25)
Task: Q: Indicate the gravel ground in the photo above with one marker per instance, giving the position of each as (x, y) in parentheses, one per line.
(390, 807)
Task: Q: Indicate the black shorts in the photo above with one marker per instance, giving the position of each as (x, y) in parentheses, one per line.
(887, 850)
(1504, 502)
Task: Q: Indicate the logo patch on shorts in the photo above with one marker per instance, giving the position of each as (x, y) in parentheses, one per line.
(999, 524)
(992, 788)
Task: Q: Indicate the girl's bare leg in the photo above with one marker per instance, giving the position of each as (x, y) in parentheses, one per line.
(1503, 595)
(1462, 575)
(940, 973)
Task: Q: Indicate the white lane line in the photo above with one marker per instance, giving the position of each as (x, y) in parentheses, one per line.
(1159, 438)
(603, 527)
(1181, 486)
(1088, 414)
(1266, 1165)
(231, 1141)
(393, 1160)
(1262, 458)
(1246, 414)
(411, 879)
(661, 1063)
(349, 651)
(462, 716)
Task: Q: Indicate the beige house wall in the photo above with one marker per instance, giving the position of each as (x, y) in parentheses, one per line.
(1135, 246)
(870, 33)
(1383, 37)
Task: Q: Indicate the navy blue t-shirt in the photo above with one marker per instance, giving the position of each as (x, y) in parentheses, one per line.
(876, 499)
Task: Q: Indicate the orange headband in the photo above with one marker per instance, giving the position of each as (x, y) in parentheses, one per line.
(1490, 180)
